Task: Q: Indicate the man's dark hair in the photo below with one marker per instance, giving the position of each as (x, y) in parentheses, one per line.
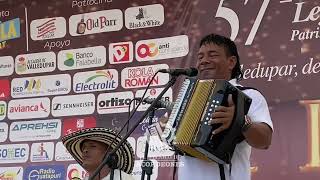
(231, 50)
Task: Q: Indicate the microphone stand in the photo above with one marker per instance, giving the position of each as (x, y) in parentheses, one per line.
(107, 159)
(147, 165)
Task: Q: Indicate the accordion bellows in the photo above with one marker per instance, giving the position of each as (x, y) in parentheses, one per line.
(187, 129)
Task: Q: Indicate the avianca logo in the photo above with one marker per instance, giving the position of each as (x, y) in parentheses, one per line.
(107, 74)
(32, 108)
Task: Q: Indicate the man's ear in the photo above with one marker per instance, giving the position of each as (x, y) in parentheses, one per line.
(232, 60)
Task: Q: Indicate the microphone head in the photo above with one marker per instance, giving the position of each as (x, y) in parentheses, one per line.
(192, 72)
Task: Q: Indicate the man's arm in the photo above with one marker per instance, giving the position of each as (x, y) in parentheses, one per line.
(258, 135)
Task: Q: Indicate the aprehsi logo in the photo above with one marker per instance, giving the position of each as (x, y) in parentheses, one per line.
(117, 102)
(96, 22)
(35, 63)
(144, 16)
(11, 173)
(162, 48)
(41, 86)
(48, 28)
(121, 52)
(9, 30)
(35, 130)
(29, 108)
(3, 110)
(100, 80)
(3, 131)
(75, 171)
(140, 76)
(14, 153)
(82, 58)
(42, 152)
(6, 65)
(73, 105)
(5, 89)
(152, 94)
(49, 172)
(62, 154)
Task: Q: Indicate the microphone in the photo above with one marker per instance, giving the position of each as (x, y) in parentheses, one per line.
(177, 72)
(159, 104)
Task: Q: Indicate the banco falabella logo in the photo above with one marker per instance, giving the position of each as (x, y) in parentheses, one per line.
(100, 80)
(49, 172)
(82, 58)
(144, 16)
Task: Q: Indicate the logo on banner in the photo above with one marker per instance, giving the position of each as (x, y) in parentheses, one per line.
(48, 28)
(6, 65)
(96, 22)
(29, 108)
(50, 172)
(14, 153)
(157, 148)
(74, 124)
(162, 48)
(75, 171)
(82, 58)
(95, 81)
(3, 109)
(140, 76)
(35, 63)
(5, 89)
(120, 52)
(35, 130)
(144, 16)
(3, 131)
(73, 105)
(118, 102)
(152, 94)
(62, 153)
(11, 173)
(41, 152)
(9, 30)
(41, 86)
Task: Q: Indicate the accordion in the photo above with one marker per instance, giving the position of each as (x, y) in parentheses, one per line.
(187, 129)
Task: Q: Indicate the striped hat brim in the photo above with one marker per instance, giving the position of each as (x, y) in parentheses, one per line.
(124, 154)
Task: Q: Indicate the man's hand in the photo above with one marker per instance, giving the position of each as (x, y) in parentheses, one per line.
(223, 115)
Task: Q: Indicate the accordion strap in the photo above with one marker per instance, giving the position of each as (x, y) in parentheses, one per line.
(221, 169)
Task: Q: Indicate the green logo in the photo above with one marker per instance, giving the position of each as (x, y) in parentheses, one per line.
(70, 61)
(2, 109)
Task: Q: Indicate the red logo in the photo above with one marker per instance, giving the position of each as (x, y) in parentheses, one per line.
(121, 52)
(4, 89)
(75, 124)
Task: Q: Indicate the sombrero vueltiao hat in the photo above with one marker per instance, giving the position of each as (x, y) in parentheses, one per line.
(124, 154)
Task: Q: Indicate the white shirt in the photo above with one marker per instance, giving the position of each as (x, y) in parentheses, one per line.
(198, 169)
(124, 176)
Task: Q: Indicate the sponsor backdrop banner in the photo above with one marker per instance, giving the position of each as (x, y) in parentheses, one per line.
(72, 64)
